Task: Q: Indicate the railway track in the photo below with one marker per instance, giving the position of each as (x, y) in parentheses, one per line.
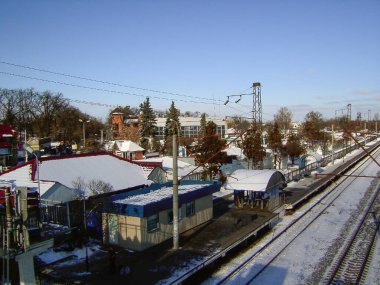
(265, 256)
(351, 264)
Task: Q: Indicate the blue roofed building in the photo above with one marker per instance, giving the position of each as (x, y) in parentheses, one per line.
(143, 218)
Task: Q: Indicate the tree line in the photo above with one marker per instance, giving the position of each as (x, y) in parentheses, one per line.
(45, 114)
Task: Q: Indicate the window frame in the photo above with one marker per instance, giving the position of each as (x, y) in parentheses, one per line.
(190, 209)
(149, 224)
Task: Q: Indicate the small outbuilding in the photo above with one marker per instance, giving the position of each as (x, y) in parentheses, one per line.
(144, 218)
(256, 188)
(127, 150)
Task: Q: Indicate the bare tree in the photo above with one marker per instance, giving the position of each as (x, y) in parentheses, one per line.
(97, 186)
(283, 118)
(79, 187)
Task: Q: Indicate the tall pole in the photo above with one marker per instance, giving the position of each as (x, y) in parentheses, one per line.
(38, 177)
(9, 228)
(85, 232)
(332, 144)
(26, 153)
(376, 128)
(84, 131)
(175, 193)
(84, 135)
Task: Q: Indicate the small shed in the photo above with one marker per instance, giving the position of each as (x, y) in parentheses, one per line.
(143, 218)
(256, 188)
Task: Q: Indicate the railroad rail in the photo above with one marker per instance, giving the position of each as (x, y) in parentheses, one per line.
(319, 187)
(286, 237)
(350, 265)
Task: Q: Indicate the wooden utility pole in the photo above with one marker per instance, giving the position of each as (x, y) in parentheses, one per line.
(175, 194)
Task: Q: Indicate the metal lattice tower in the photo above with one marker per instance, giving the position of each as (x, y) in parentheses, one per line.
(257, 107)
(349, 112)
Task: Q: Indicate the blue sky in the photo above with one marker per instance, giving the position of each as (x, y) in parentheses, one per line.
(308, 55)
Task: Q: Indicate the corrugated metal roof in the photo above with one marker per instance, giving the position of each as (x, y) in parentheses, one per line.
(251, 180)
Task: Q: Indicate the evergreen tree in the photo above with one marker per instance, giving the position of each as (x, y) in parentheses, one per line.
(203, 123)
(172, 126)
(275, 143)
(294, 147)
(253, 148)
(147, 124)
(209, 150)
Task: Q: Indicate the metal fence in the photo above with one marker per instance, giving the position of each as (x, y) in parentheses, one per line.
(54, 212)
(297, 174)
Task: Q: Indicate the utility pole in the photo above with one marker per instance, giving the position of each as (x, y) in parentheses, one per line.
(26, 153)
(9, 236)
(175, 193)
(332, 144)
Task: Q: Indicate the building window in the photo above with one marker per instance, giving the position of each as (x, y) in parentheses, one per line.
(170, 215)
(190, 209)
(152, 223)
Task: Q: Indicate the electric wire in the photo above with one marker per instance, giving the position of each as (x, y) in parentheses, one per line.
(113, 83)
(101, 89)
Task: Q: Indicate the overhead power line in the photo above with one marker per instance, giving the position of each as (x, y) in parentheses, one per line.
(106, 82)
(91, 103)
(101, 89)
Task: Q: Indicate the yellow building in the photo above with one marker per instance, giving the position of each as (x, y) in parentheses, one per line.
(144, 217)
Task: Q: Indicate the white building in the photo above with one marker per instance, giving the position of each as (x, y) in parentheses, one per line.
(190, 126)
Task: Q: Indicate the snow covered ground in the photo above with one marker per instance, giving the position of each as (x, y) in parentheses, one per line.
(78, 255)
(301, 263)
(293, 267)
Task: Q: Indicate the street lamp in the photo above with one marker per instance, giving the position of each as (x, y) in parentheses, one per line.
(84, 132)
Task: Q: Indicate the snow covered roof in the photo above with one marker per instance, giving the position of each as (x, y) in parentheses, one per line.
(116, 171)
(21, 177)
(148, 201)
(124, 146)
(254, 180)
(167, 164)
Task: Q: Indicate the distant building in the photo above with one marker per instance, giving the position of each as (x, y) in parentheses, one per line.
(127, 149)
(190, 126)
(144, 218)
(153, 171)
(185, 170)
(125, 127)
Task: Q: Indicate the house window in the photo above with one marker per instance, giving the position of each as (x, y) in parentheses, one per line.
(190, 209)
(152, 223)
(170, 215)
